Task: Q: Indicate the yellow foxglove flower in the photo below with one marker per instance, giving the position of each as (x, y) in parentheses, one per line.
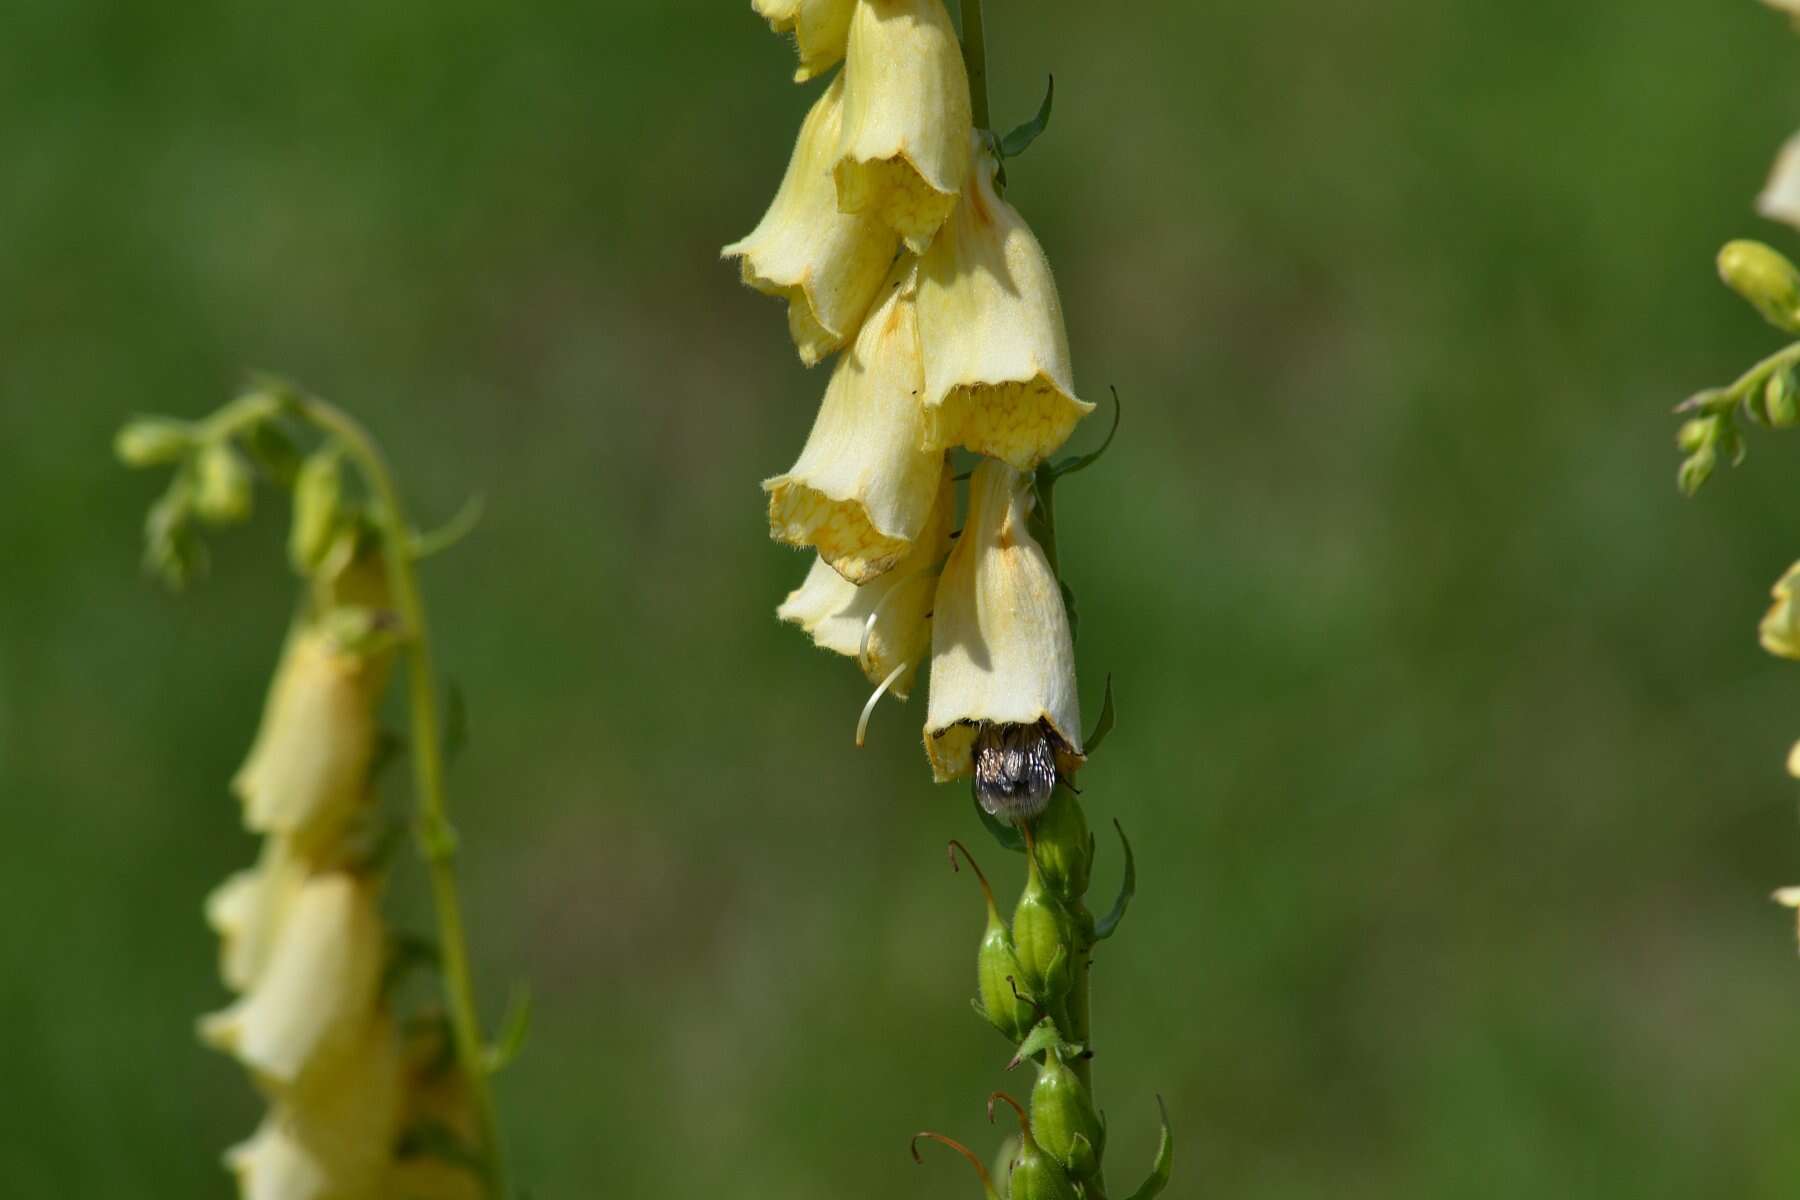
(997, 373)
(820, 29)
(904, 154)
(308, 769)
(861, 491)
(885, 624)
(1780, 198)
(1780, 629)
(316, 995)
(249, 909)
(335, 1140)
(1001, 654)
(826, 264)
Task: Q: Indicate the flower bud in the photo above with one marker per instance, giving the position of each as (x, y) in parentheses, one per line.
(997, 374)
(1695, 470)
(313, 1002)
(1044, 938)
(903, 156)
(1780, 628)
(307, 772)
(1781, 399)
(998, 976)
(1780, 198)
(1695, 433)
(153, 442)
(826, 264)
(820, 28)
(1765, 278)
(1035, 1175)
(1001, 653)
(318, 498)
(1063, 847)
(1063, 1117)
(862, 490)
(222, 484)
(249, 910)
(884, 624)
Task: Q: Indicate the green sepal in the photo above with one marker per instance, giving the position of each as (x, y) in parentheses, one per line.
(515, 1028)
(1105, 926)
(1082, 462)
(1007, 835)
(1084, 1161)
(1020, 139)
(1044, 1036)
(1164, 1164)
(1108, 718)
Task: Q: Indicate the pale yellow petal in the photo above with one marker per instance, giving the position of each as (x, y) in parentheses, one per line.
(820, 28)
(249, 909)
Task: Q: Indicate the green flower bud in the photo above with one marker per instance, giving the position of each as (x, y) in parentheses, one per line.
(1781, 399)
(1696, 469)
(172, 551)
(1035, 1174)
(1695, 433)
(153, 442)
(1065, 848)
(998, 976)
(222, 485)
(1063, 1119)
(318, 497)
(1043, 936)
(1766, 279)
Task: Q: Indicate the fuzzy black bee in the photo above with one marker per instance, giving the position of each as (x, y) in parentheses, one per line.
(1015, 770)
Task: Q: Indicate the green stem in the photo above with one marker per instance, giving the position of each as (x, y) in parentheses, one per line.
(437, 839)
(974, 46)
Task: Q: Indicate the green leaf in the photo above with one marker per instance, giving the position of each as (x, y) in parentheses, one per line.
(1020, 139)
(1165, 1161)
(1104, 928)
(1109, 717)
(1082, 462)
(513, 1031)
(1007, 835)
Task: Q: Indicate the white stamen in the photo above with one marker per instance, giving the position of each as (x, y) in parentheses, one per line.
(862, 724)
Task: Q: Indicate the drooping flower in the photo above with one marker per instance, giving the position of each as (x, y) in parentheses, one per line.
(904, 152)
(1002, 658)
(884, 624)
(316, 995)
(308, 769)
(249, 910)
(826, 264)
(820, 29)
(1780, 628)
(997, 372)
(862, 489)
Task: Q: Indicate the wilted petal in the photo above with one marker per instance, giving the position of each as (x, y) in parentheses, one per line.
(1001, 653)
(861, 491)
(826, 264)
(249, 909)
(336, 1140)
(316, 993)
(308, 769)
(997, 373)
(820, 29)
(904, 154)
(837, 612)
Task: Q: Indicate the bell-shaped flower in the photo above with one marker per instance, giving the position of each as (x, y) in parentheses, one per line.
(316, 994)
(904, 153)
(826, 264)
(862, 489)
(1780, 198)
(308, 769)
(1001, 652)
(1780, 628)
(249, 910)
(884, 624)
(820, 29)
(997, 373)
(335, 1140)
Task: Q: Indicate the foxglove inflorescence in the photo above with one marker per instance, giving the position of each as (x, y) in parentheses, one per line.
(893, 245)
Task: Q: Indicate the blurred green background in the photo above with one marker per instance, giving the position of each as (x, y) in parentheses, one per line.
(1453, 764)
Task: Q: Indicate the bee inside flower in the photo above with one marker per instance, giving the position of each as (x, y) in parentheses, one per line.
(1015, 770)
